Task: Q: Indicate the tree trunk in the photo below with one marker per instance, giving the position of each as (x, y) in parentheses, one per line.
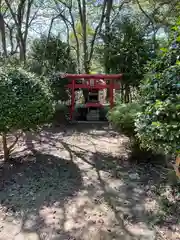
(107, 40)
(22, 51)
(3, 34)
(127, 93)
(21, 43)
(21, 15)
(83, 20)
(5, 148)
(107, 34)
(122, 93)
(85, 47)
(11, 40)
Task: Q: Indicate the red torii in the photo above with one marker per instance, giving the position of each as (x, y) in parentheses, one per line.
(99, 86)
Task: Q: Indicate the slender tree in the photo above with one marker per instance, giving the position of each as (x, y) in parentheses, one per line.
(21, 15)
(2, 30)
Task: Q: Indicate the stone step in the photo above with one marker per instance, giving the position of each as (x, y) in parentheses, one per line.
(93, 115)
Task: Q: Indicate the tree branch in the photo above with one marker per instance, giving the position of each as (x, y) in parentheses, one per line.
(34, 16)
(51, 24)
(155, 11)
(29, 5)
(97, 30)
(119, 9)
(151, 21)
(11, 11)
(80, 12)
(72, 24)
(11, 147)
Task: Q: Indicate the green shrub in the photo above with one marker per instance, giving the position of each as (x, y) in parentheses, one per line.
(80, 112)
(103, 113)
(50, 54)
(58, 87)
(26, 101)
(123, 117)
(61, 114)
(158, 125)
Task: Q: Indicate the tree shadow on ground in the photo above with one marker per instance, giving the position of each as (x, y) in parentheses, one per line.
(149, 166)
(122, 201)
(86, 128)
(126, 200)
(168, 214)
(113, 185)
(29, 183)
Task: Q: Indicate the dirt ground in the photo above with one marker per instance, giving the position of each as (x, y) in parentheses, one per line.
(78, 184)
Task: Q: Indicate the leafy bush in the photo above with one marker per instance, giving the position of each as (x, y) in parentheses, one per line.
(26, 101)
(61, 114)
(50, 54)
(80, 112)
(158, 125)
(123, 117)
(58, 87)
(103, 113)
(127, 52)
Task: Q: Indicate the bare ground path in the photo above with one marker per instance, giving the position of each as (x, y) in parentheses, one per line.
(75, 184)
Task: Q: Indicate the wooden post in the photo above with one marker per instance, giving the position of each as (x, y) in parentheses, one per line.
(72, 99)
(111, 95)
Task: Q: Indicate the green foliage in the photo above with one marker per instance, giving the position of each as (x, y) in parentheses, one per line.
(26, 101)
(58, 87)
(61, 114)
(128, 50)
(62, 108)
(103, 112)
(51, 55)
(123, 117)
(158, 125)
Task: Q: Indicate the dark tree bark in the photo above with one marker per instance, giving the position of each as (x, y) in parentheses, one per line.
(97, 31)
(107, 39)
(5, 147)
(107, 36)
(8, 149)
(22, 21)
(70, 23)
(2, 30)
(83, 20)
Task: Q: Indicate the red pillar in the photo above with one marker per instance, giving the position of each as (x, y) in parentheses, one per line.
(111, 95)
(72, 100)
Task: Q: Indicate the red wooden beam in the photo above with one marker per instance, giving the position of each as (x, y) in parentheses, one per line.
(93, 105)
(97, 86)
(92, 76)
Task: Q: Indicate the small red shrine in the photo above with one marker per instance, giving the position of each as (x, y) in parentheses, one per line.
(94, 83)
